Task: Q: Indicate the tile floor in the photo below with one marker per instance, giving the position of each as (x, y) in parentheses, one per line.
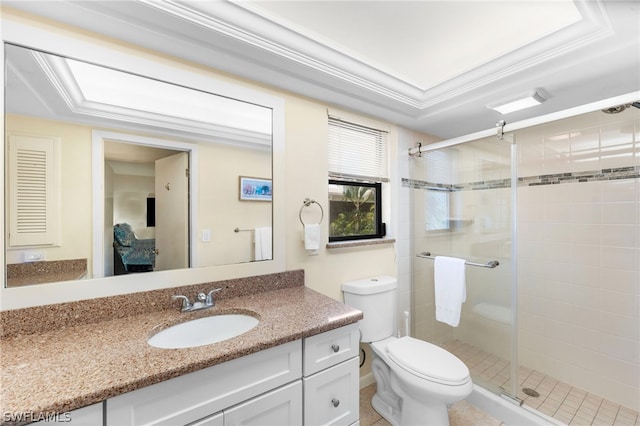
(559, 400)
(460, 414)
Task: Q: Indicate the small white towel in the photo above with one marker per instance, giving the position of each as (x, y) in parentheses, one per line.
(450, 289)
(263, 243)
(312, 237)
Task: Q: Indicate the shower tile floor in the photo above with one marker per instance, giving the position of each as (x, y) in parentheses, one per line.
(563, 402)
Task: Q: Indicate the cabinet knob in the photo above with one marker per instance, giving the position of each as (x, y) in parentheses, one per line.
(335, 347)
(335, 402)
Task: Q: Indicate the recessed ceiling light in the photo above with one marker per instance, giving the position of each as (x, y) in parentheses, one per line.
(517, 104)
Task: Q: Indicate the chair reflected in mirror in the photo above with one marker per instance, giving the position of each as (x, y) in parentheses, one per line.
(131, 254)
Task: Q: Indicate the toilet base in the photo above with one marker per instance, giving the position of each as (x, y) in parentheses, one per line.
(387, 413)
(386, 402)
(412, 413)
(416, 413)
(399, 409)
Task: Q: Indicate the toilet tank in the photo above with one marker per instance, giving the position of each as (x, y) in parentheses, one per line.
(376, 298)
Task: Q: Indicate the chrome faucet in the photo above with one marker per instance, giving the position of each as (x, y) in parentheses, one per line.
(203, 301)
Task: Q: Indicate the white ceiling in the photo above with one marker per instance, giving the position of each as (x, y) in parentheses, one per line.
(432, 66)
(423, 43)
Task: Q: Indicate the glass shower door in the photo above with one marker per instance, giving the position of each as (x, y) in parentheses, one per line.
(462, 206)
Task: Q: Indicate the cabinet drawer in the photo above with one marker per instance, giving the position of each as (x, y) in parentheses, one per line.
(331, 397)
(326, 349)
(196, 395)
(281, 407)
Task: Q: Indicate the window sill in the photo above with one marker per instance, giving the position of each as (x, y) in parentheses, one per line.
(360, 243)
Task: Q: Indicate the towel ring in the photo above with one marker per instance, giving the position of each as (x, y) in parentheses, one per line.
(306, 203)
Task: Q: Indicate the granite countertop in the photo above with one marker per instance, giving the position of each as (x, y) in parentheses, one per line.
(29, 273)
(73, 366)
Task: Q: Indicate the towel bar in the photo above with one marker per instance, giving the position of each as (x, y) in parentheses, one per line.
(306, 203)
(491, 264)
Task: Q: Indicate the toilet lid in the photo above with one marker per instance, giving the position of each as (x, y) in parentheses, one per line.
(428, 361)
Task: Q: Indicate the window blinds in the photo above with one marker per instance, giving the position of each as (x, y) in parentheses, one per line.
(438, 167)
(357, 152)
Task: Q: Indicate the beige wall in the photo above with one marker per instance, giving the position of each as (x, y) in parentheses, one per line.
(306, 170)
(75, 205)
(219, 206)
(306, 163)
(306, 177)
(219, 203)
(305, 160)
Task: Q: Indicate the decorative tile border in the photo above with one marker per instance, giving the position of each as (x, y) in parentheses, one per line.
(631, 172)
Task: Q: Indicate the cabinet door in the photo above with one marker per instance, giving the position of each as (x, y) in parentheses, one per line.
(331, 396)
(281, 407)
(196, 395)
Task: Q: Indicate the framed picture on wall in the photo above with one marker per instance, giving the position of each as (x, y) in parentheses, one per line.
(255, 189)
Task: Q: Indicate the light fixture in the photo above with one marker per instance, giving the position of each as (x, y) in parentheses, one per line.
(516, 104)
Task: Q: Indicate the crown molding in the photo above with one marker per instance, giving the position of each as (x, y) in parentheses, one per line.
(61, 78)
(575, 63)
(592, 29)
(243, 24)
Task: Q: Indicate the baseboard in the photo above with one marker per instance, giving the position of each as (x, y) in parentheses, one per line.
(367, 380)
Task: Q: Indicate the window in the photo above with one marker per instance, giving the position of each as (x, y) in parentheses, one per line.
(437, 210)
(358, 168)
(439, 175)
(355, 211)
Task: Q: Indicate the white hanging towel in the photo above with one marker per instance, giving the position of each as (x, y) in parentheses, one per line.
(312, 237)
(263, 243)
(450, 289)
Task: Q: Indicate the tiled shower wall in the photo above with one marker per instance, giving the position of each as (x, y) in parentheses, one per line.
(578, 225)
(578, 252)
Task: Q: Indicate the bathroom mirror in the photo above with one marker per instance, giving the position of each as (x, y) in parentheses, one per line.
(113, 173)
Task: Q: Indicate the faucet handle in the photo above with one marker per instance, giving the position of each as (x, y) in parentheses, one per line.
(209, 300)
(186, 305)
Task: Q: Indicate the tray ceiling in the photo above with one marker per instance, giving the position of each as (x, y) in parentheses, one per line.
(431, 66)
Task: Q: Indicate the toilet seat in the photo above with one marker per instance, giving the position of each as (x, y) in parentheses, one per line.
(428, 361)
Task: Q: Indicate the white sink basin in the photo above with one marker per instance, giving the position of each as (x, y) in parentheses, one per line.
(203, 331)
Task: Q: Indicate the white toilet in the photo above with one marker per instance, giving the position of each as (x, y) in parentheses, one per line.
(416, 380)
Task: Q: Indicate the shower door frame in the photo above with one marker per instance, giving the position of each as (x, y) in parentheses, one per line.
(511, 393)
(501, 132)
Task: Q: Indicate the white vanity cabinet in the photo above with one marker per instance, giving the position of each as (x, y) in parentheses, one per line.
(282, 406)
(331, 377)
(196, 396)
(314, 381)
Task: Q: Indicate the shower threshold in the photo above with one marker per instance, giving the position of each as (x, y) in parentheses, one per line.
(563, 402)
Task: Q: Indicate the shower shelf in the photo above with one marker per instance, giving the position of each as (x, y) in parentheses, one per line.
(491, 264)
